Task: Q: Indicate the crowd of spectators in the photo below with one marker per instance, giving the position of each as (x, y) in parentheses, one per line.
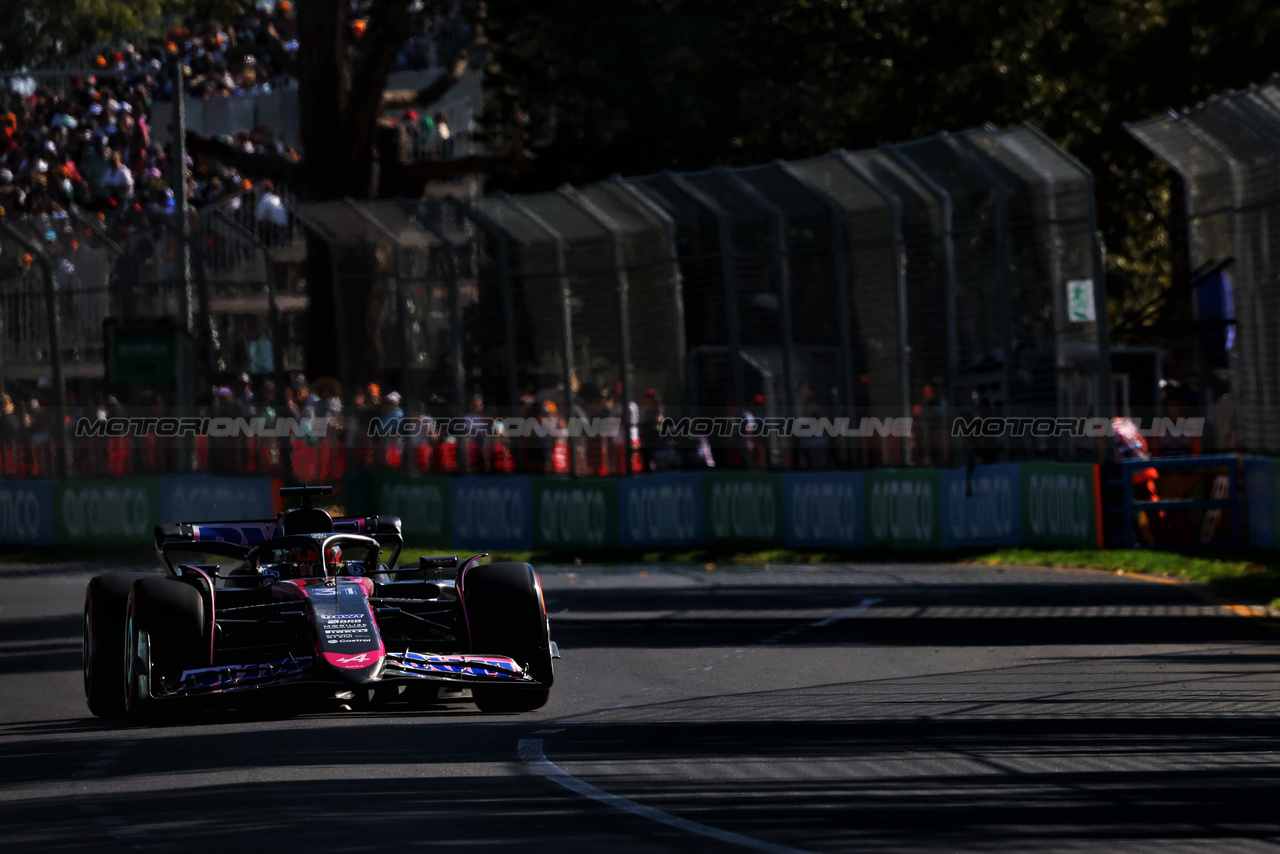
(325, 437)
(89, 140)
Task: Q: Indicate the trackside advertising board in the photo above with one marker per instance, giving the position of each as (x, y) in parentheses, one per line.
(1061, 505)
(823, 509)
(1040, 503)
(660, 510)
(109, 510)
(209, 498)
(1260, 491)
(575, 513)
(981, 507)
(421, 502)
(26, 513)
(903, 508)
(742, 508)
(492, 512)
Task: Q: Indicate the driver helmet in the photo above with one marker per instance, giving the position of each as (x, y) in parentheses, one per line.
(333, 555)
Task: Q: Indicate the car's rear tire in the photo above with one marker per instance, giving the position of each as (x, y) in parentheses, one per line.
(106, 605)
(164, 635)
(506, 616)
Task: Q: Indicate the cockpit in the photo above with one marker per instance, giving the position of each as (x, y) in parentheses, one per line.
(315, 556)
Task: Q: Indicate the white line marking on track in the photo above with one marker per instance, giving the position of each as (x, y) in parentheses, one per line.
(852, 611)
(531, 754)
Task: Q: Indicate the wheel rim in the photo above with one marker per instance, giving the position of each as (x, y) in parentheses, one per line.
(130, 665)
(86, 653)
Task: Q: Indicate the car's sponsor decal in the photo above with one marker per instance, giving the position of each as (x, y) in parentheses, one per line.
(494, 666)
(236, 533)
(318, 592)
(232, 676)
(346, 631)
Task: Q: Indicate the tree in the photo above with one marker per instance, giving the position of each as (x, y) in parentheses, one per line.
(36, 35)
(342, 70)
(635, 86)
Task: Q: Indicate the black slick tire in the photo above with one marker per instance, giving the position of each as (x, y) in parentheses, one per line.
(164, 635)
(506, 616)
(106, 604)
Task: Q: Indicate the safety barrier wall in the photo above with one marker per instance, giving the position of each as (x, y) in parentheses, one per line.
(982, 508)
(1004, 504)
(1260, 487)
(1061, 505)
(123, 510)
(26, 512)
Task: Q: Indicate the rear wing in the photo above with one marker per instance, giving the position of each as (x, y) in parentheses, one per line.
(230, 536)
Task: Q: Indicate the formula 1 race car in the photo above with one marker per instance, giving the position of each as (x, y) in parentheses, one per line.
(302, 608)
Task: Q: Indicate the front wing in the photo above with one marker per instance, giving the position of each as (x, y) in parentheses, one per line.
(398, 668)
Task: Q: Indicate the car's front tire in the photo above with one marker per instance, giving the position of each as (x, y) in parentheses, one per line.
(106, 605)
(164, 635)
(506, 616)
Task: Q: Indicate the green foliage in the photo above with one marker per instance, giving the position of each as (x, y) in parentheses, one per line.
(634, 86)
(1249, 573)
(39, 34)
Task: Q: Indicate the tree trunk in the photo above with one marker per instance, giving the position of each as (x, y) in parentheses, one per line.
(324, 86)
(322, 331)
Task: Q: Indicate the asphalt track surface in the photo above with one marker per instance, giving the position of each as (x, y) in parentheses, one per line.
(833, 708)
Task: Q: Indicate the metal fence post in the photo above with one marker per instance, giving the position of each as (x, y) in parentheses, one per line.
(673, 274)
(844, 289)
(782, 276)
(402, 317)
(183, 210)
(729, 273)
(1004, 261)
(273, 321)
(198, 263)
(344, 362)
(624, 311)
(455, 309)
(508, 293)
(566, 316)
(1056, 277)
(898, 255)
(1099, 278)
(949, 260)
(182, 238)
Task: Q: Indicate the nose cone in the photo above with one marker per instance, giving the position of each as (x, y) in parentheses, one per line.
(347, 636)
(358, 669)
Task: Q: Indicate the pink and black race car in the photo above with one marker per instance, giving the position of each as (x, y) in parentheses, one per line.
(302, 608)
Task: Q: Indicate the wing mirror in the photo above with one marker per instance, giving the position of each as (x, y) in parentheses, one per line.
(434, 567)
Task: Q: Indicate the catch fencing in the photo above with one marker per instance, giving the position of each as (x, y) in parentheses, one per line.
(1227, 153)
(949, 277)
(954, 276)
